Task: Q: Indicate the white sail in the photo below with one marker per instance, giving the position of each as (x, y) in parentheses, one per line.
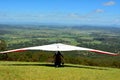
(59, 47)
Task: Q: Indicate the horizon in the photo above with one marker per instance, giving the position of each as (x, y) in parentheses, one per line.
(64, 12)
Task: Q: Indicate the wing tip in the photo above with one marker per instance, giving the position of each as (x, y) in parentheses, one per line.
(9, 51)
(103, 52)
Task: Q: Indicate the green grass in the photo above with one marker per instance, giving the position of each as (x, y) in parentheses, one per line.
(45, 71)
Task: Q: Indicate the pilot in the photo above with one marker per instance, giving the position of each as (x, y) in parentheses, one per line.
(58, 59)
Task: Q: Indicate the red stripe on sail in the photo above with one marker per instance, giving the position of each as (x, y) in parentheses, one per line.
(20, 50)
(102, 52)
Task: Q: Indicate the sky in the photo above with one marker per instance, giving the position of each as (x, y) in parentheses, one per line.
(81, 12)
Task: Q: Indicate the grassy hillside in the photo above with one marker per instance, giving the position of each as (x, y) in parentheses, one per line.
(46, 71)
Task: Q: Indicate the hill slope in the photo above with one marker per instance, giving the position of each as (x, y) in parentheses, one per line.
(46, 71)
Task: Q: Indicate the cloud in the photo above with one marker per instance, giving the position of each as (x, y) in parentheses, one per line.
(109, 3)
(3, 14)
(94, 12)
(73, 15)
(99, 11)
(117, 21)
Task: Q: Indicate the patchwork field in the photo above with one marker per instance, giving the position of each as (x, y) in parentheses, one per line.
(46, 71)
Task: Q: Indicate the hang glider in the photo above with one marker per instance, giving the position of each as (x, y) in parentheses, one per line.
(59, 47)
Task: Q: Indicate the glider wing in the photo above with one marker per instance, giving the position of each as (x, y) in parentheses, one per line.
(59, 47)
